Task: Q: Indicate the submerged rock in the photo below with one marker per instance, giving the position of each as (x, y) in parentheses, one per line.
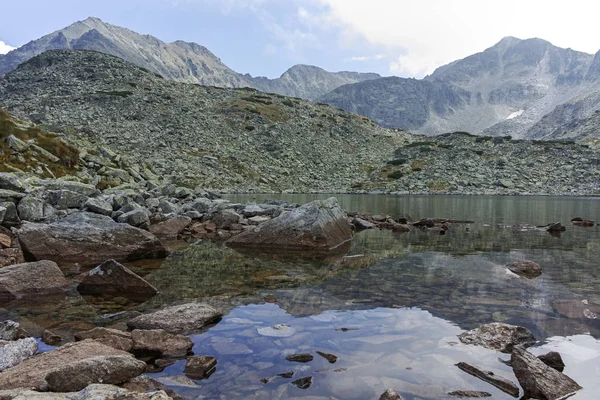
(538, 379)
(88, 239)
(528, 269)
(332, 358)
(303, 383)
(487, 376)
(35, 278)
(184, 318)
(14, 352)
(112, 278)
(301, 358)
(200, 367)
(498, 336)
(319, 225)
(77, 375)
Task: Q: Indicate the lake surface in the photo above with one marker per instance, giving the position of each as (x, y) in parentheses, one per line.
(389, 309)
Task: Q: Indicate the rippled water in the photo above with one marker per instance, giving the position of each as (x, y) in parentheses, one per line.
(403, 298)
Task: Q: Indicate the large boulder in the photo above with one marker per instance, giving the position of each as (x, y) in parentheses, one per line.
(158, 342)
(77, 375)
(35, 278)
(498, 336)
(172, 226)
(88, 239)
(31, 372)
(64, 199)
(10, 181)
(137, 217)
(13, 353)
(112, 278)
(99, 205)
(111, 337)
(318, 225)
(537, 379)
(31, 209)
(183, 318)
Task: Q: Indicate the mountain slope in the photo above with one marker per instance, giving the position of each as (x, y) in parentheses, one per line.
(181, 61)
(506, 90)
(198, 135)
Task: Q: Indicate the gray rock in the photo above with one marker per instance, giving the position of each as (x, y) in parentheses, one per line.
(167, 207)
(171, 227)
(63, 199)
(99, 205)
(528, 269)
(17, 144)
(360, 223)
(320, 224)
(202, 205)
(390, 394)
(110, 337)
(184, 318)
(10, 181)
(88, 239)
(77, 375)
(112, 278)
(493, 379)
(539, 380)
(11, 215)
(12, 196)
(200, 367)
(138, 218)
(158, 342)
(224, 219)
(505, 183)
(253, 210)
(10, 330)
(258, 220)
(498, 336)
(33, 278)
(31, 209)
(14, 352)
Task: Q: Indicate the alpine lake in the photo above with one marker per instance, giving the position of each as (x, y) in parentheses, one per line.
(388, 305)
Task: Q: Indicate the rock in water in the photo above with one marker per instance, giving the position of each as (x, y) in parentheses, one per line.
(88, 239)
(318, 225)
(200, 367)
(539, 380)
(488, 376)
(177, 319)
(498, 336)
(114, 279)
(13, 353)
(36, 278)
(553, 360)
(528, 269)
(390, 394)
(31, 372)
(110, 337)
(157, 342)
(76, 376)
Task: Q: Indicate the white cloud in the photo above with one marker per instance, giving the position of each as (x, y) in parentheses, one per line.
(364, 58)
(426, 34)
(4, 48)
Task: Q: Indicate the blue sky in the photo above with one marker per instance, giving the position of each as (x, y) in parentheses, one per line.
(266, 37)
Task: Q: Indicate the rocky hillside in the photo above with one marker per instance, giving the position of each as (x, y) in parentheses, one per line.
(195, 135)
(181, 61)
(504, 90)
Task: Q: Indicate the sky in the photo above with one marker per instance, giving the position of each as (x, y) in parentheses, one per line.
(266, 37)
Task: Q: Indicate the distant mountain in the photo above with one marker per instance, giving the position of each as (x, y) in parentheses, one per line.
(182, 61)
(504, 90)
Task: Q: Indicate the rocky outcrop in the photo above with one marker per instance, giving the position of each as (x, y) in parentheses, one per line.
(35, 278)
(77, 375)
(498, 336)
(538, 379)
(183, 318)
(88, 239)
(318, 225)
(14, 352)
(31, 372)
(112, 278)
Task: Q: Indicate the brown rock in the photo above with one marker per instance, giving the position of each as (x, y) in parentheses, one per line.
(528, 269)
(145, 384)
(302, 357)
(88, 239)
(487, 376)
(5, 241)
(10, 256)
(31, 372)
(318, 225)
(171, 227)
(539, 380)
(578, 221)
(390, 394)
(329, 357)
(471, 394)
(36, 278)
(157, 342)
(576, 308)
(498, 336)
(553, 360)
(77, 375)
(51, 338)
(110, 337)
(303, 383)
(114, 279)
(184, 318)
(200, 367)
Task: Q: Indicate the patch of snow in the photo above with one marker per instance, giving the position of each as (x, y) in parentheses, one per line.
(515, 114)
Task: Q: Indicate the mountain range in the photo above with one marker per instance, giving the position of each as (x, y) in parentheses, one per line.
(527, 89)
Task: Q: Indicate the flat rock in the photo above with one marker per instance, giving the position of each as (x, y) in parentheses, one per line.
(137, 218)
(528, 269)
(172, 226)
(77, 375)
(31, 372)
(487, 376)
(112, 278)
(538, 379)
(110, 337)
(157, 342)
(301, 357)
(321, 224)
(200, 367)
(88, 239)
(14, 352)
(498, 336)
(183, 318)
(332, 358)
(99, 205)
(29, 279)
(469, 394)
